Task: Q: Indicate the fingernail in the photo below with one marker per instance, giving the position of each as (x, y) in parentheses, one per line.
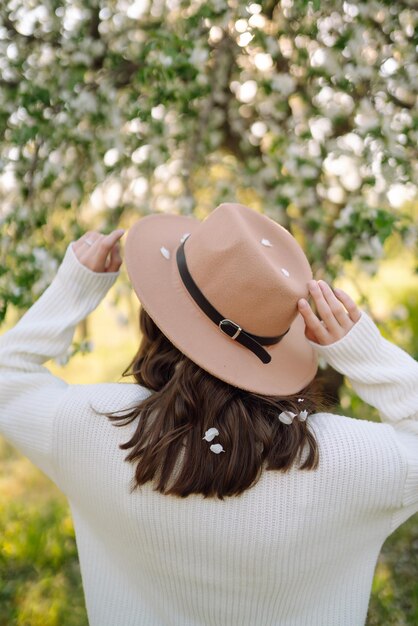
(312, 284)
(302, 302)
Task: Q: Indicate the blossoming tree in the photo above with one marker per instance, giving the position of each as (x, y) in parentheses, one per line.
(305, 110)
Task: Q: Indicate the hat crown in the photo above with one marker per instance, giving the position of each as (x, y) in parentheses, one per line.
(251, 269)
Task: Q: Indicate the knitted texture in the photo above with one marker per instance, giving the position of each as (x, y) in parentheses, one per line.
(297, 549)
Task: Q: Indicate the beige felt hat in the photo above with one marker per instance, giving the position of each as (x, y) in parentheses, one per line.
(224, 291)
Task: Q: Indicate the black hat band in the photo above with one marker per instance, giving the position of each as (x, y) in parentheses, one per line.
(227, 326)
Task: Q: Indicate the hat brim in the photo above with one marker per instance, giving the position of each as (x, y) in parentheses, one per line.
(158, 286)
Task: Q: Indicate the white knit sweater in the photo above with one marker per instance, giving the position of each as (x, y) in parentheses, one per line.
(297, 549)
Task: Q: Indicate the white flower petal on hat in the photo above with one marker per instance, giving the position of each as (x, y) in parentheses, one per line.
(217, 448)
(301, 400)
(303, 415)
(285, 271)
(211, 434)
(165, 252)
(287, 417)
(267, 243)
(184, 237)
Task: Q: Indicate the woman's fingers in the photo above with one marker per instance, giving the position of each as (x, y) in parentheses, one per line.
(336, 321)
(105, 245)
(99, 252)
(352, 308)
(315, 330)
(81, 243)
(323, 307)
(337, 309)
(115, 260)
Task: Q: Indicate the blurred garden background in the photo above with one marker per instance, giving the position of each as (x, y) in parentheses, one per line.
(114, 109)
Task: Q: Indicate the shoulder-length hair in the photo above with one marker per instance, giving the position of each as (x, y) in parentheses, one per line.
(168, 445)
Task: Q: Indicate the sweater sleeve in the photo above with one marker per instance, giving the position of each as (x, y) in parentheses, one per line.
(386, 377)
(29, 393)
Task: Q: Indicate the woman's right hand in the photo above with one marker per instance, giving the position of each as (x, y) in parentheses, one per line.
(337, 310)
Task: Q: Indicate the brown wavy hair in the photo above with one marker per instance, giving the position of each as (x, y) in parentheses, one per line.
(168, 443)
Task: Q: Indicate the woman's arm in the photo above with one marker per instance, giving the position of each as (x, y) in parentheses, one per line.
(381, 373)
(29, 393)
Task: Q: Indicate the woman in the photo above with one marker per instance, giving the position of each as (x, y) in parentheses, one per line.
(241, 501)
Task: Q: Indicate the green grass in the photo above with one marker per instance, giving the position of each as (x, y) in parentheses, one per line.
(394, 600)
(40, 583)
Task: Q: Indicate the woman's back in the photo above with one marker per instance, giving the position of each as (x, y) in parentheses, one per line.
(297, 548)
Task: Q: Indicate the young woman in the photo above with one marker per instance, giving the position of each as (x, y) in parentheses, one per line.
(241, 501)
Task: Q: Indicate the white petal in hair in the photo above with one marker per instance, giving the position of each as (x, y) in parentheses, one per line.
(285, 272)
(184, 237)
(303, 415)
(301, 400)
(217, 448)
(165, 252)
(211, 434)
(267, 243)
(287, 417)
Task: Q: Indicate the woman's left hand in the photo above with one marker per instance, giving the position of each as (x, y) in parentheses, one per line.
(338, 311)
(103, 255)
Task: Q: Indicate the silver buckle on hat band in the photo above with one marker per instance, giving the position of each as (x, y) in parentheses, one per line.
(238, 328)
